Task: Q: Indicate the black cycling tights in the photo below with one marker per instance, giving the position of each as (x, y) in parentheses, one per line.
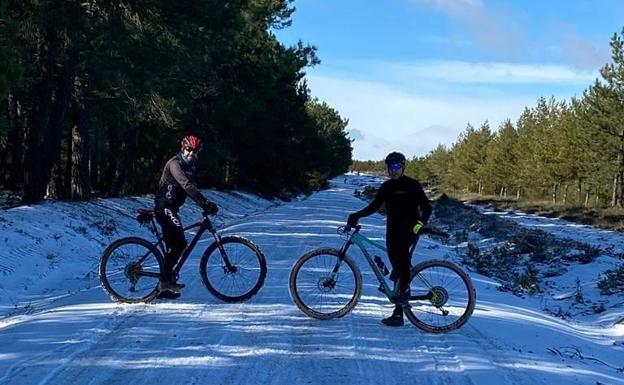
(173, 235)
(398, 245)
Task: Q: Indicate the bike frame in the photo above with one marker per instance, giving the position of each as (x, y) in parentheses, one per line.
(361, 241)
(204, 225)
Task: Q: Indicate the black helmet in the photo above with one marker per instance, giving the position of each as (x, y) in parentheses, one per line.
(395, 157)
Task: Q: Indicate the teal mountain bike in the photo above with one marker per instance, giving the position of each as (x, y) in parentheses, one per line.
(326, 283)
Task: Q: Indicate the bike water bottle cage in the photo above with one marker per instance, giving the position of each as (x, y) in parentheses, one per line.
(381, 265)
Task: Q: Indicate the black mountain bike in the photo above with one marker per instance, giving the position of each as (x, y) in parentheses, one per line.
(232, 268)
(326, 283)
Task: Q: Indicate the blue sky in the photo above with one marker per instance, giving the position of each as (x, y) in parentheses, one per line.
(410, 74)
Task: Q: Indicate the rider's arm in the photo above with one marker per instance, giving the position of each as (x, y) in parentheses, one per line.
(374, 205)
(187, 185)
(423, 203)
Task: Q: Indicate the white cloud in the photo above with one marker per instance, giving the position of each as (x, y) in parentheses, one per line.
(500, 29)
(493, 28)
(583, 54)
(467, 72)
(413, 107)
(388, 119)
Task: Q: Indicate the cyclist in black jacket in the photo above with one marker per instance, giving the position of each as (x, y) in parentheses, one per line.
(175, 184)
(407, 210)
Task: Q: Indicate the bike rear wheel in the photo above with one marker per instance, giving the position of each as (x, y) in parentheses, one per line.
(130, 270)
(451, 297)
(242, 278)
(321, 293)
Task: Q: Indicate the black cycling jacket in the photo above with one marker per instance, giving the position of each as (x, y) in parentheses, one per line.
(175, 185)
(406, 204)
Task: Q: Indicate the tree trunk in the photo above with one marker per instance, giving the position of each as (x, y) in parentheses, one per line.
(80, 180)
(97, 164)
(614, 196)
(565, 194)
(620, 178)
(580, 190)
(35, 181)
(518, 194)
(15, 144)
(502, 190)
(587, 197)
(3, 167)
(50, 106)
(43, 152)
(554, 194)
(126, 171)
(67, 171)
(114, 148)
(54, 188)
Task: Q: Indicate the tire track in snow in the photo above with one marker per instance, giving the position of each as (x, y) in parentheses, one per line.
(25, 371)
(498, 357)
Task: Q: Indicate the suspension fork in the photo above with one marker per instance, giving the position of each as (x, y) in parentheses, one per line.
(341, 256)
(226, 260)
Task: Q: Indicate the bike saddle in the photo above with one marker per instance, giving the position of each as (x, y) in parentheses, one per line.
(144, 215)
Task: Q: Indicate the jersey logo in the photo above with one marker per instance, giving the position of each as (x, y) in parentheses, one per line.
(169, 193)
(175, 220)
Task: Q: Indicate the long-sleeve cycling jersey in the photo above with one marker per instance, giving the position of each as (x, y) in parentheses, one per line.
(175, 184)
(406, 203)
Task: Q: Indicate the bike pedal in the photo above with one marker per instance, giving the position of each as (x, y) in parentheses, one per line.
(168, 286)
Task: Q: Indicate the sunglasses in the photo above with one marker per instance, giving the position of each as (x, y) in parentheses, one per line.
(191, 149)
(395, 166)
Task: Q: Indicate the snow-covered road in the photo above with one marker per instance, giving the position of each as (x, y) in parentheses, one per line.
(84, 338)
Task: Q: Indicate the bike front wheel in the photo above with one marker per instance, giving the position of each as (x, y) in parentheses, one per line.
(442, 297)
(325, 285)
(130, 270)
(234, 269)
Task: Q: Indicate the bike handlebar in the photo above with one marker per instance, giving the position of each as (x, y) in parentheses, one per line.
(424, 230)
(206, 214)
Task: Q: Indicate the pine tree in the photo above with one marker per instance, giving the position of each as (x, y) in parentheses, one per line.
(605, 102)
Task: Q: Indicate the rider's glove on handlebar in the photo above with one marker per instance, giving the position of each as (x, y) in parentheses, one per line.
(352, 220)
(417, 227)
(209, 208)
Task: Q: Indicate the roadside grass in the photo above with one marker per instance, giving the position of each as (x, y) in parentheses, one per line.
(522, 259)
(610, 218)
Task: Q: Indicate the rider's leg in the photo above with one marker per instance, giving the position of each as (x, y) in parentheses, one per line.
(173, 235)
(398, 245)
(396, 319)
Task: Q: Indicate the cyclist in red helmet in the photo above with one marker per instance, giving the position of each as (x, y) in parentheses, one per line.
(174, 186)
(407, 210)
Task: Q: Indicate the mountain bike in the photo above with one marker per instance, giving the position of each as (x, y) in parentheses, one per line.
(232, 268)
(326, 283)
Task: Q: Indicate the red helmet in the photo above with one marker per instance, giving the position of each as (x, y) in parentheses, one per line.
(191, 142)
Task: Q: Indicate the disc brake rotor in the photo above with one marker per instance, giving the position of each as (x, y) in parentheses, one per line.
(326, 284)
(439, 296)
